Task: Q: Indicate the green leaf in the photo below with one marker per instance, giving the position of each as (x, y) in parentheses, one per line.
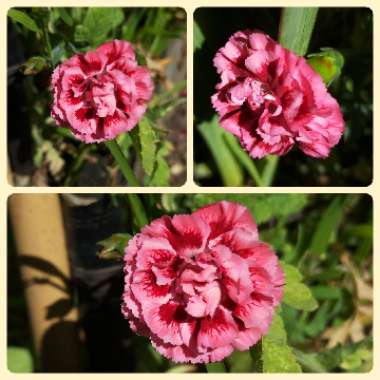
(161, 174)
(297, 294)
(328, 64)
(65, 16)
(355, 361)
(239, 362)
(184, 368)
(296, 28)
(34, 65)
(263, 207)
(226, 163)
(326, 292)
(271, 163)
(243, 157)
(277, 356)
(325, 361)
(24, 19)
(19, 360)
(148, 141)
(256, 354)
(114, 246)
(58, 53)
(327, 226)
(217, 367)
(98, 22)
(198, 36)
(130, 27)
(80, 33)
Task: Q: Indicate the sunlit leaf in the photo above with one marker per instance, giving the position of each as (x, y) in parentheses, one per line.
(114, 246)
(34, 65)
(161, 174)
(226, 163)
(328, 64)
(19, 360)
(98, 22)
(198, 36)
(297, 294)
(148, 141)
(277, 356)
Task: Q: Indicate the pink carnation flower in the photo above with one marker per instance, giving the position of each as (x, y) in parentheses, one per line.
(201, 285)
(271, 99)
(101, 93)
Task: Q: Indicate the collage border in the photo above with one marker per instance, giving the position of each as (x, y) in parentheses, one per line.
(189, 187)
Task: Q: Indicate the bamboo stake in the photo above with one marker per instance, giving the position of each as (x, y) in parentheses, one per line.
(40, 242)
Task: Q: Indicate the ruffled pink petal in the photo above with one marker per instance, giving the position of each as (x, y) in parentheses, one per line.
(218, 330)
(169, 323)
(223, 216)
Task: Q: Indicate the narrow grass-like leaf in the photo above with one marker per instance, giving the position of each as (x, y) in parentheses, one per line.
(296, 28)
(199, 38)
(226, 163)
(327, 226)
(243, 157)
(24, 19)
(65, 16)
(130, 27)
(269, 170)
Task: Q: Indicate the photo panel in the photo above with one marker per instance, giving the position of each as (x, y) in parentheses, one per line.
(97, 96)
(283, 96)
(190, 283)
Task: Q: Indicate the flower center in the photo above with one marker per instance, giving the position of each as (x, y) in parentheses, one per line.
(198, 289)
(102, 93)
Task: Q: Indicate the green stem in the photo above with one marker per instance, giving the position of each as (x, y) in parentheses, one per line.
(244, 158)
(269, 171)
(48, 47)
(138, 210)
(124, 166)
(218, 367)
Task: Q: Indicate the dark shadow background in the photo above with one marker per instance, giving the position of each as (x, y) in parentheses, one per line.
(348, 30)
